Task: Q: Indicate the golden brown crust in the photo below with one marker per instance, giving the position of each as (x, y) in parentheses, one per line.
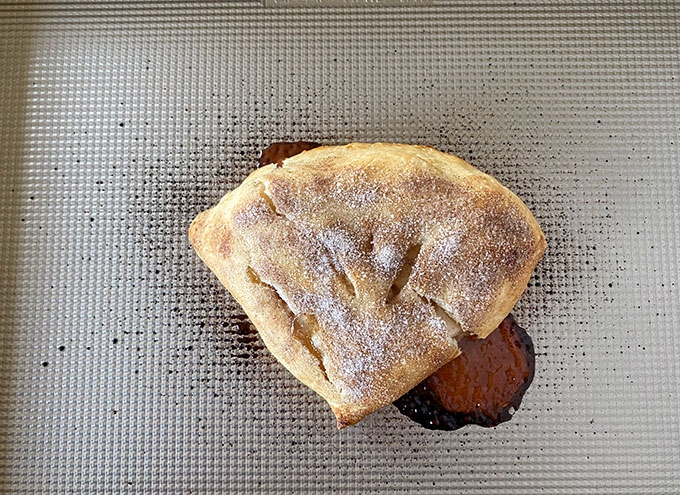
(361, 265)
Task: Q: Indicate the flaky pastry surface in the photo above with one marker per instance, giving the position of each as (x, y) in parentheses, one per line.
(361, 265)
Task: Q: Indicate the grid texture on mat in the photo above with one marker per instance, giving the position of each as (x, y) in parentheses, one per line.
(125, 367)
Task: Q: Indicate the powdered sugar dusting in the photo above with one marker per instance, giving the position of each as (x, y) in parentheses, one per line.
(388, 259)
(252, 213)
(355, 190)
(310, 234)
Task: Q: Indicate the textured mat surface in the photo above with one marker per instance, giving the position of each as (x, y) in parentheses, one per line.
(125, 367)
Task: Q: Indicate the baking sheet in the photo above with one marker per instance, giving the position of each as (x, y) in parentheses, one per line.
(125, 367)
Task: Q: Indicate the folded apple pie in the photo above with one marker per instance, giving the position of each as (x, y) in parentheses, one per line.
(361, 266)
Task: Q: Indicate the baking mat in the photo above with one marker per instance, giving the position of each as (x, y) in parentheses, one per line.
(125, 367)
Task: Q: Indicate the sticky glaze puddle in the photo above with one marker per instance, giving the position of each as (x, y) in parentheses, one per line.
(483, 386)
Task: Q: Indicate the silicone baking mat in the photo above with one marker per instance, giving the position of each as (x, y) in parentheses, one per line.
(124, 365)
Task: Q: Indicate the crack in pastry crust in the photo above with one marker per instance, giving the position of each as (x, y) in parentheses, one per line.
(378, 257)
(303, 327)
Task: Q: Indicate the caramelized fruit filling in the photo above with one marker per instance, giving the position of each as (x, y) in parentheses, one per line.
(278, 152)
(483, 386)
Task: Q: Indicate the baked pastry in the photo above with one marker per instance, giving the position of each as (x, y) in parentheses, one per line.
(362, 265)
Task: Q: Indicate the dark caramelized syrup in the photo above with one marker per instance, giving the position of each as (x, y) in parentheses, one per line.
(483, 386)
(278, 152)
